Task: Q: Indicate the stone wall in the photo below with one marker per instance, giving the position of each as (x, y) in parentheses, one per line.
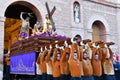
(103, 13)
(1, 41)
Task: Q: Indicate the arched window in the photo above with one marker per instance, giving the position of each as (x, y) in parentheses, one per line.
(76, 12)
(98, 31)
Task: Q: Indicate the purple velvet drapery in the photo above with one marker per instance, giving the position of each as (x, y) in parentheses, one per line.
(23, 63)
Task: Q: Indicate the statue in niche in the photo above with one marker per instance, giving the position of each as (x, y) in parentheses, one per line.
(76, 13)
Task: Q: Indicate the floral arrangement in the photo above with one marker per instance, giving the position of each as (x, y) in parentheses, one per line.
(23, 35)
(50, 34)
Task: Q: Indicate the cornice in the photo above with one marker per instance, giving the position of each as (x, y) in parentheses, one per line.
(106, 3)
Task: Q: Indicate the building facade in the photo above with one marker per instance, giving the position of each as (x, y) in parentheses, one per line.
(92, 19)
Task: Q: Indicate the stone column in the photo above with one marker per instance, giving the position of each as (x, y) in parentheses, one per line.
(2, 20)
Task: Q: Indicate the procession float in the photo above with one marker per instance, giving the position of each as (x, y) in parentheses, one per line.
(23, 52)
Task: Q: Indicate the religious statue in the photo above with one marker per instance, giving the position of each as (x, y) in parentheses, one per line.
(47, 24)
(76, 13)
(37, 29)
(24, 31)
